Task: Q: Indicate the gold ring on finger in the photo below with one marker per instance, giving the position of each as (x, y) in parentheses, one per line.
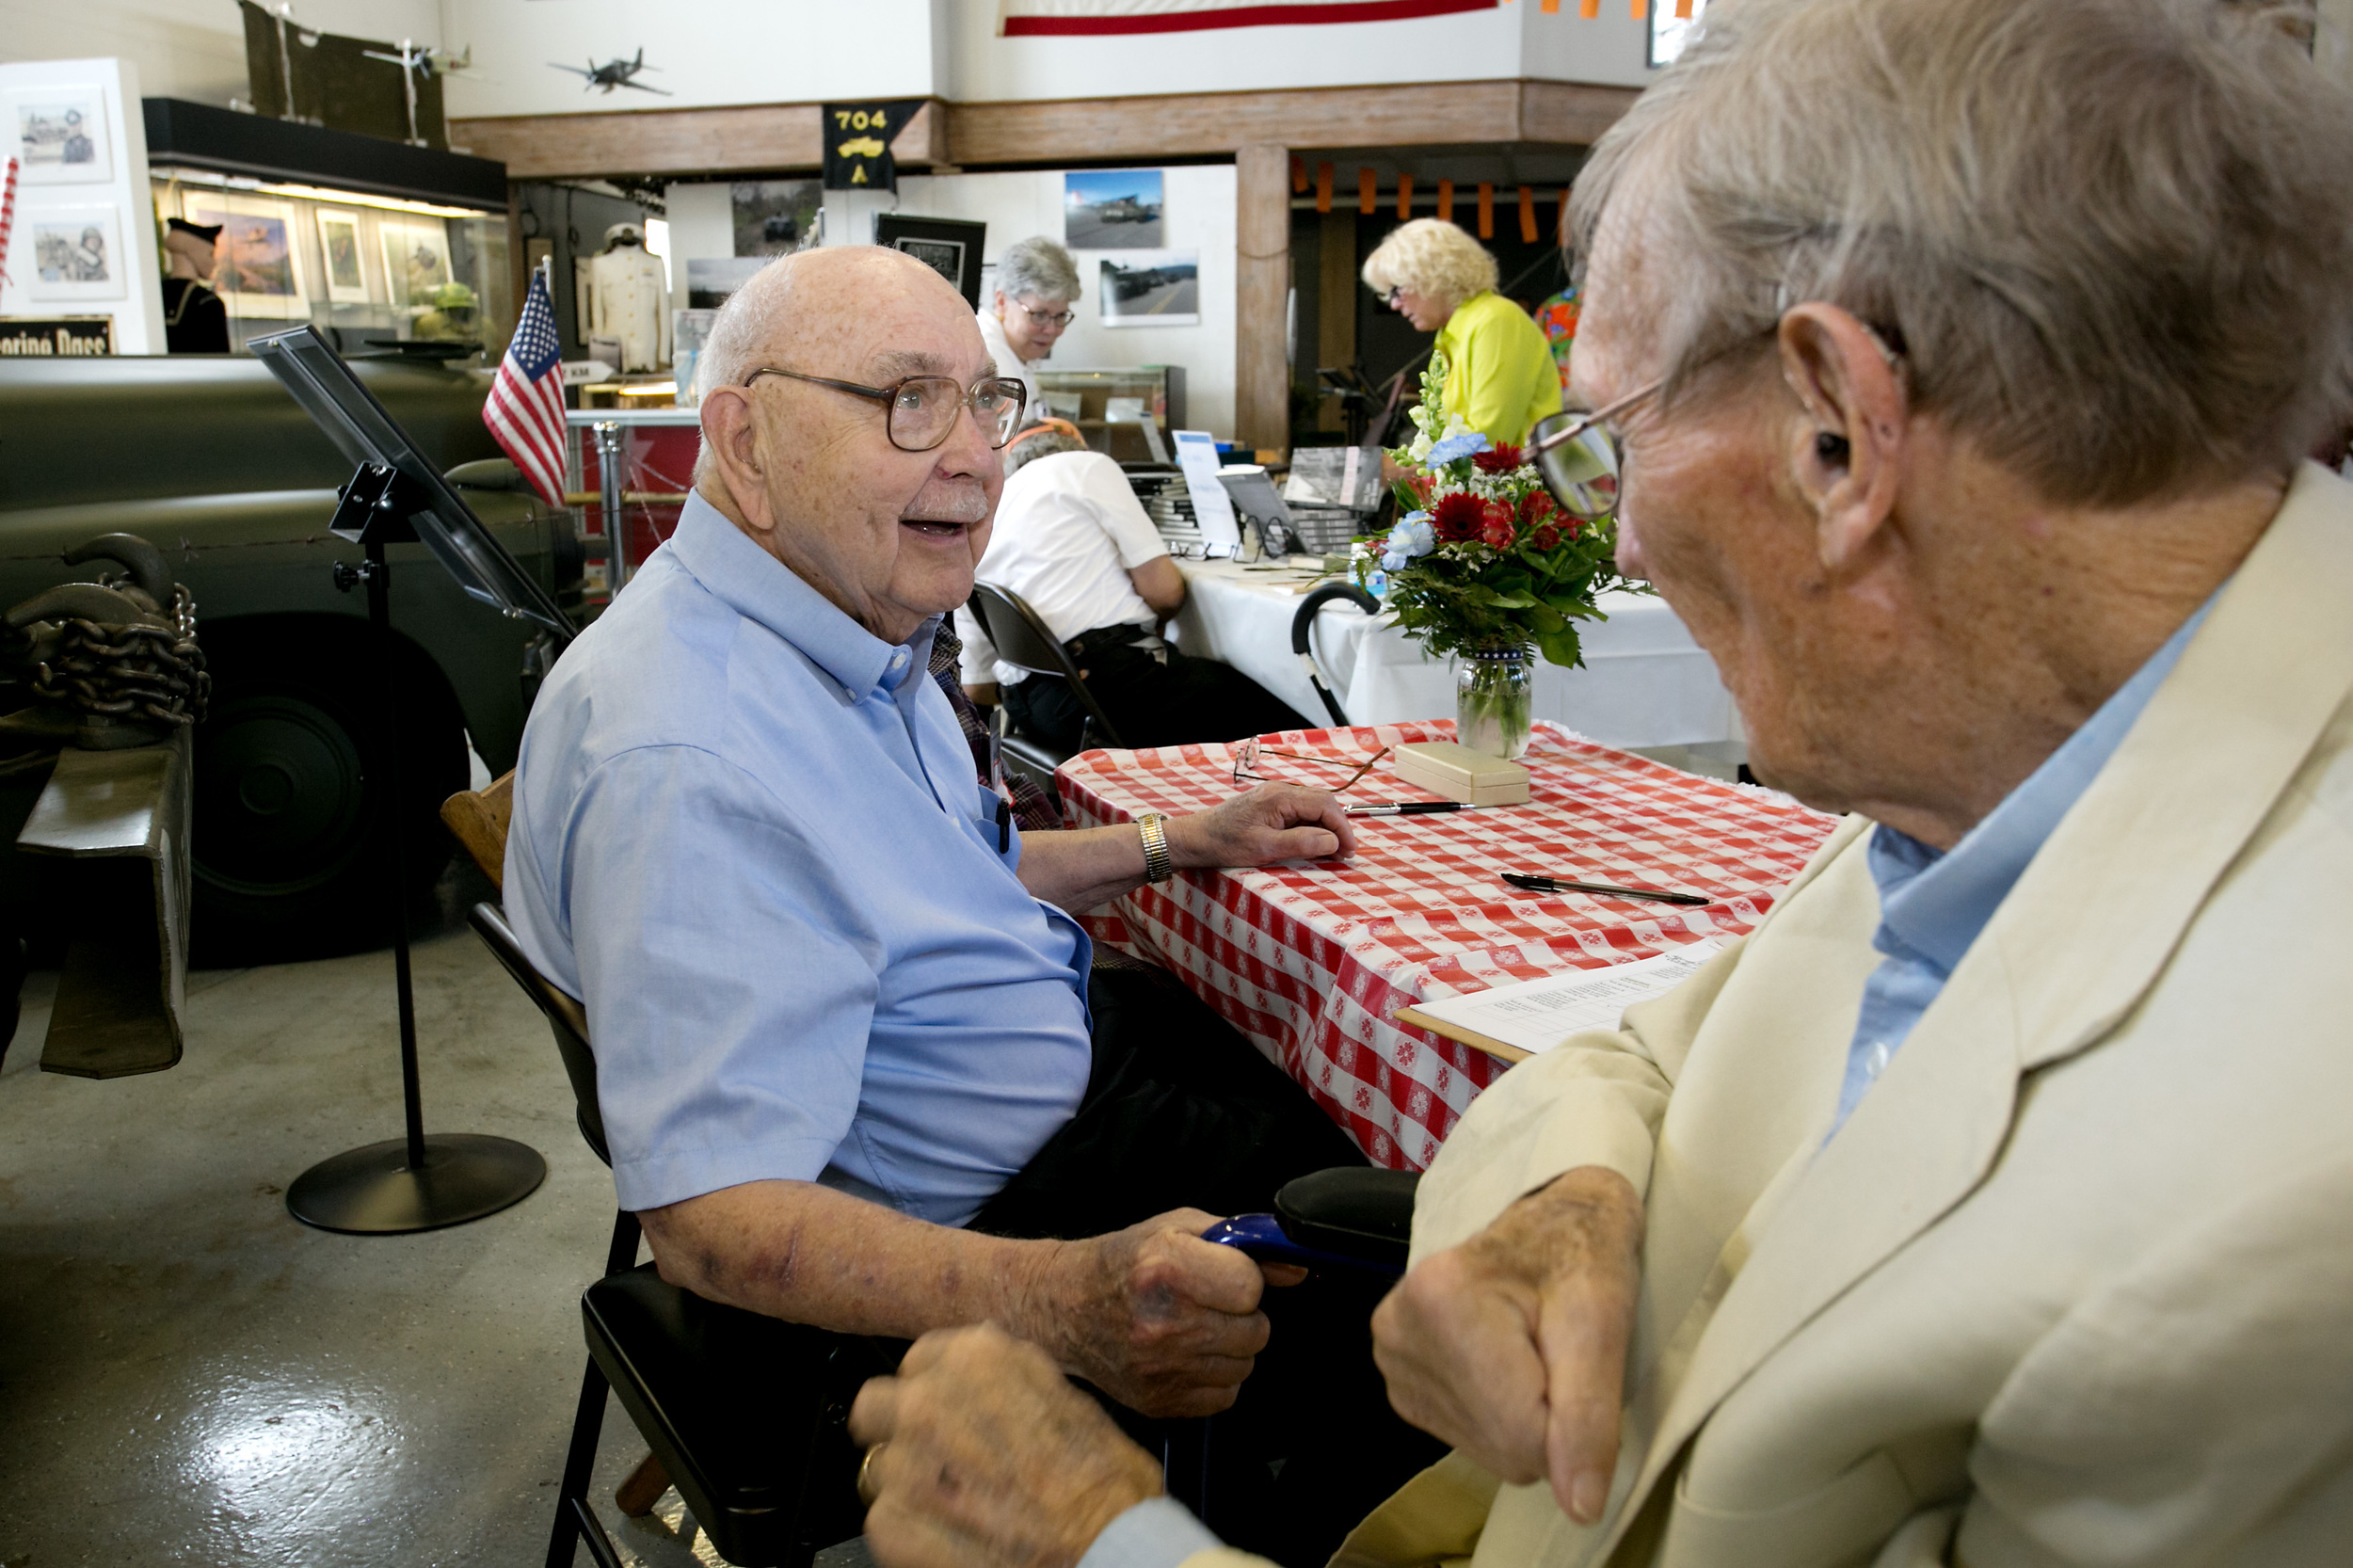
(868, 1488)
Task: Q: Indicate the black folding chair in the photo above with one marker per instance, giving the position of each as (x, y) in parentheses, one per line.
(748, 1413)
(1024, 642)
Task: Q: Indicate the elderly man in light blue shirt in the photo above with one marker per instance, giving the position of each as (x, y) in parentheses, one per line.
(842, 1020)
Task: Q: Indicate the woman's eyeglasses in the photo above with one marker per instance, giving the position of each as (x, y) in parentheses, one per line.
(919, 412)
(1048, 318)
(1257, 764)
(1395, 298)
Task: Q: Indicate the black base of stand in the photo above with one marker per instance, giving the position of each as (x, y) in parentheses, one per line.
(373, 1192)
(402, 1185)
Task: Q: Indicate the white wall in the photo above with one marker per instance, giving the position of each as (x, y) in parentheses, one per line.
(192, 49)
(138, 307)
(702, 52)
(1200, 216)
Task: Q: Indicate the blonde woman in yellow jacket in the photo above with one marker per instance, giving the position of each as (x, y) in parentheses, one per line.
(1500, 377)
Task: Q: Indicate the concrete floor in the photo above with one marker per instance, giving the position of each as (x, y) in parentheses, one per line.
(188, 1375)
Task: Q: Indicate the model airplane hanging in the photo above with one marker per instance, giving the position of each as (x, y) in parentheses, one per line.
(616, 74)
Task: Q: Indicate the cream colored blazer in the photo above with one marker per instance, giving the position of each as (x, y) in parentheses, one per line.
(2074, 1284)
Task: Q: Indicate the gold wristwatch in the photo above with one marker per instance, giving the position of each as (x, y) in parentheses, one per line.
(1158, 867)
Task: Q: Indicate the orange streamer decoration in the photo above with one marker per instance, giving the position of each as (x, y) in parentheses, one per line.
(1528, 216)
(1445, 199)
(1323, 187)
(1486, 210)
(1367, 196)
(1299, 175)
(1404, 196)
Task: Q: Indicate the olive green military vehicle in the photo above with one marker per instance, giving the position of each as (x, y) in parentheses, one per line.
(211, 460)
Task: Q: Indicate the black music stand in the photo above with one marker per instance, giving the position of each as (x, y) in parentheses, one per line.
(396, 497)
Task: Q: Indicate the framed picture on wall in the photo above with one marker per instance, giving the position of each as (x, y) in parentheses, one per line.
(61, 135)
(950, 247)
(76, 253)
(1151, 288)
(257, 266)
(339, 243)
(416, 258)
(1119, 208)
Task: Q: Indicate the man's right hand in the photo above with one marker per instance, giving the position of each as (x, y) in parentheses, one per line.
(1512, 1347)
(1159, 1319)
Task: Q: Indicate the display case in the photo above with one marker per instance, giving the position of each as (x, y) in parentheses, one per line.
(360, 267)
(372, 242)
(1109, 405)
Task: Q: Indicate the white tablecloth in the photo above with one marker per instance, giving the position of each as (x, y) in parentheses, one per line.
(1645, 682)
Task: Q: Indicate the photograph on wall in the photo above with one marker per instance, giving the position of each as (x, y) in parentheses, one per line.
(1155, 288)
(257, 269)
(77, 252)
(339, 242)
(776, 217)
(1113, 210)
(61, 136)
(416, 259)
(950, 247)
(711, 279)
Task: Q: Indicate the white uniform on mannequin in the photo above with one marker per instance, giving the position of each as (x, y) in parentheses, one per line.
(631, 298)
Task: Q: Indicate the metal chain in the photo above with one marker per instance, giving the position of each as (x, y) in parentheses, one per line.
(150, 673)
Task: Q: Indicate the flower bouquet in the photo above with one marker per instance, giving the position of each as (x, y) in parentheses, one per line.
(1482, 565)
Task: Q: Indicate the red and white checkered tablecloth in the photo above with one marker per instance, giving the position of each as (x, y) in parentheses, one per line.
(1312, 961)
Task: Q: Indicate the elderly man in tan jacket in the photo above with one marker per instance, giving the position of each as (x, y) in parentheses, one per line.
(1993, 1202)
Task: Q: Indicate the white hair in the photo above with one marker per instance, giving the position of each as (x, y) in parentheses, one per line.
(1435, 258)
(2110, 239)
(1037, 268)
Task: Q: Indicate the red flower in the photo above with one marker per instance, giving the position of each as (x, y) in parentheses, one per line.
(1458, 517)
(1498, 459)
(1546, 537)
(1535, 507)
(1496, 529)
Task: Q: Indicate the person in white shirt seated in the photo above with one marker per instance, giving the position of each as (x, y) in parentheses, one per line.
(1076, 545)
(1037, 286)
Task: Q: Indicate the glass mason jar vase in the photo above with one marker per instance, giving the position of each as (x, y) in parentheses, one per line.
(1493, 688)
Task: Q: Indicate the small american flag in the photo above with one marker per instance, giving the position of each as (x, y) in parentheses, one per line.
(525, 410)
(7, 216)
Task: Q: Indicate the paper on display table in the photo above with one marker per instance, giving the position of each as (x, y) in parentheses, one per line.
(1645, 682)
(1212, 509)
(1537, 1014)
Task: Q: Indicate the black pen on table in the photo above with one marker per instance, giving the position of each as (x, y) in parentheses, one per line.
(1407, 807)
(1535, 883)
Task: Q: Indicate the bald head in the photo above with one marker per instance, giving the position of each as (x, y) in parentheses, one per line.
(810, 469)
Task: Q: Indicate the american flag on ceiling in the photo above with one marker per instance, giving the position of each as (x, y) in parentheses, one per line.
(525, 409)
(1037, 18)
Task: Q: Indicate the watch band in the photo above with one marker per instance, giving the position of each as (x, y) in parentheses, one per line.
(1158, 867)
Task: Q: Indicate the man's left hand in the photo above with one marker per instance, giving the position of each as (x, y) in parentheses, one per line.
(988, 1457)
(1273, 822)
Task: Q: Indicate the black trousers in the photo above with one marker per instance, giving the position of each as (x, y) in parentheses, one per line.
(1184, 701)
(1181, 1110)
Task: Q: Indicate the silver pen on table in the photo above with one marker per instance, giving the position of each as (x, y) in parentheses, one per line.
(1408, 807)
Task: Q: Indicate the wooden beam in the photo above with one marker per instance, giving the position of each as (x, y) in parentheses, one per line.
(752, 138)
(1263, 234)
(785, 136)
(1571, 114)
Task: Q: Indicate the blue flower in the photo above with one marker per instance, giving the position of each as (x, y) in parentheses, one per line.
(1412, 537)
(1455, 448)
(1392, 561)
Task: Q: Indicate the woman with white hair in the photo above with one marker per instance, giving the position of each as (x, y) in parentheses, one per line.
(1499, 370)
(1037, 283)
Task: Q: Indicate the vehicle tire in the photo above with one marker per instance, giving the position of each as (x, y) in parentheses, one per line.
(295, 806)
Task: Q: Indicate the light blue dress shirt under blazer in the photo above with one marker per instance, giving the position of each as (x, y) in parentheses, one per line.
(1932, 905)
(749, 834)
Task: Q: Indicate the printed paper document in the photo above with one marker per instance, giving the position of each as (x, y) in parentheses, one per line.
(1537, 1014)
